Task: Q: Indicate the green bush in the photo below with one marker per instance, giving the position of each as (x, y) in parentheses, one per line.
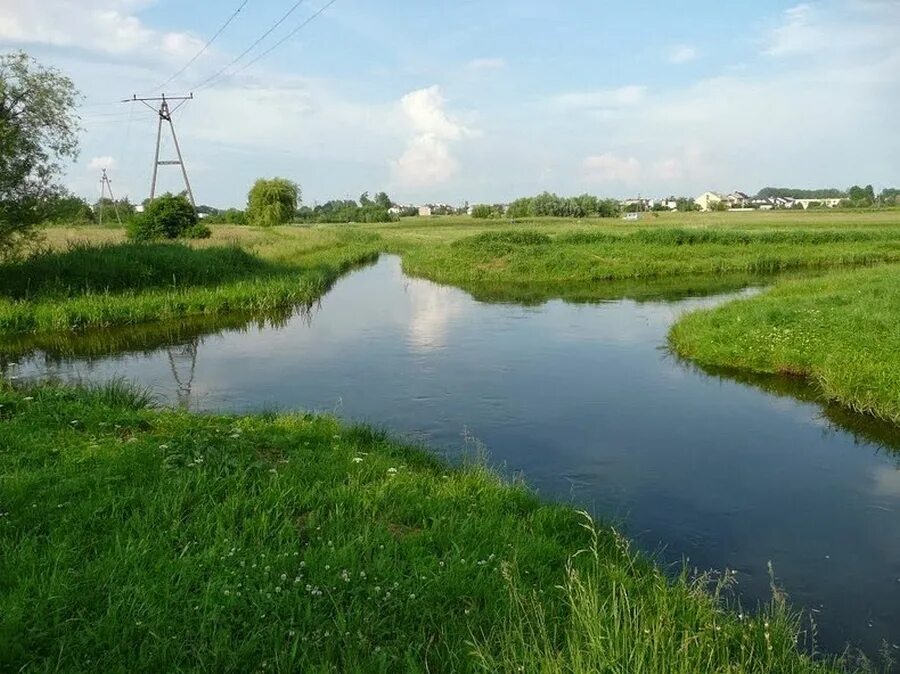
(167, 217)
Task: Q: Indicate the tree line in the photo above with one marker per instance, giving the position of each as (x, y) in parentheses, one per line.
(856, 196)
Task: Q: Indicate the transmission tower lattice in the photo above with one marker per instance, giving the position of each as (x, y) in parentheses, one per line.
(165, 115)
(106, 186)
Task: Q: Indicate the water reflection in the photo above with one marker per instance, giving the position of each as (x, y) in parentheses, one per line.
(721, 470)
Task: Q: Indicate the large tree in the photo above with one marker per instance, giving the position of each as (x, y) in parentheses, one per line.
(272, 202)
(38, 133)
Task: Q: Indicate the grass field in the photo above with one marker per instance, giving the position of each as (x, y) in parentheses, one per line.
(841, 331)
(135, 539)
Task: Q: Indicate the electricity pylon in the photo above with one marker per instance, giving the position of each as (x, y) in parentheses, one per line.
(165, 115)
(106, 186)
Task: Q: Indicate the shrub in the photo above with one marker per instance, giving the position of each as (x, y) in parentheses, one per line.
(167, 217)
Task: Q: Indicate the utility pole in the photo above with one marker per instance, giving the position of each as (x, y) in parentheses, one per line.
(165, 115)
(106, 186)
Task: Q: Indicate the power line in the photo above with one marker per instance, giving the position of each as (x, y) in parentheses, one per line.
(205, 47)
(280, 21)
(287, 37)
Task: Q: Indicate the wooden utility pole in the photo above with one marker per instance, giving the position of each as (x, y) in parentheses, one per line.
(165, 115)
(106, 186)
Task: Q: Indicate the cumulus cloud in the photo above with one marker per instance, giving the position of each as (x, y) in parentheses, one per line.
(611, 168)
(682, 53)
(98, 163)
(428, 158)
(105, 26)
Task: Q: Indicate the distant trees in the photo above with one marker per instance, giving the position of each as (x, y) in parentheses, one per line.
(105, 209)
(168, 216)
(686, 205)
(547, 204)
(272, 202)
(487, 211)
(38, 132)
(791, 193)
(890, 196)
(348, 210)
(66, 208)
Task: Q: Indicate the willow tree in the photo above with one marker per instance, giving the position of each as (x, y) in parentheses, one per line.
(272, 202)
(38, 133)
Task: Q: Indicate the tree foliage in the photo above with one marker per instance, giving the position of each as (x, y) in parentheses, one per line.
(272, 202)
(551, 205)
(38, 133)
(348, 210)
(791, 193)
(168, 216)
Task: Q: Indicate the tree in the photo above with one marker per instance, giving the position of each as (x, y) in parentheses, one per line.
(38, 132)
(168, 216)
(272, 202)
(66, 208)
(364, 200)
(382, 200)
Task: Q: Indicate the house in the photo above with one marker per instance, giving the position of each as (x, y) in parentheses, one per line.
(631, 216)
(425, 211)
(827, 203)
(738, 200)
(708, 200)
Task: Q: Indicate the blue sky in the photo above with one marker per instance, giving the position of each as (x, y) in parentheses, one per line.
(484, 101)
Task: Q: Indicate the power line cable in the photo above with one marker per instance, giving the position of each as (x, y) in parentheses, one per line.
(205, 47)
(287, 37)
(262, 37)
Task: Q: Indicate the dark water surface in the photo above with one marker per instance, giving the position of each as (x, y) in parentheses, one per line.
(586, 402)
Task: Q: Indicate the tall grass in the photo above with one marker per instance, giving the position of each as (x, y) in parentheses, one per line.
(138, 539)
(128, 284)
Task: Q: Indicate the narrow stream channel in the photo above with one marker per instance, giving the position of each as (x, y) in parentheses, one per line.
(585, 401)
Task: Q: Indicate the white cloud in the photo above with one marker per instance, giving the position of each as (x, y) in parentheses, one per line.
(797, 35)
(682, 53)
(105, 26)
(98, 163)
(428, 159)
(602, 99)
(611, 168)
(487, 64)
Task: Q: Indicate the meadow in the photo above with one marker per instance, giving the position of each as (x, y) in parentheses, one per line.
(139, 539)
(136, 538)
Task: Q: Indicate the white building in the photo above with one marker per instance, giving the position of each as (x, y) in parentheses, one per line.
(708, 200)
(425, 211)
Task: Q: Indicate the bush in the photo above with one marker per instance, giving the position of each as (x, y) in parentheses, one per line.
(167, 217)
(485, 211)
(272, 202)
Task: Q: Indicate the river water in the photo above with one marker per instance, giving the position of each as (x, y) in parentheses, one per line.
(583, 400)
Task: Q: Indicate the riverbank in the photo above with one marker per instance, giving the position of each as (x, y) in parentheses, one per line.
(840, 331)
(114, 284)
(146, 539)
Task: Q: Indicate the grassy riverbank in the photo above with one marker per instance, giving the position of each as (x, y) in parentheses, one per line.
(841, 331)
(114, 284)
(135, 539)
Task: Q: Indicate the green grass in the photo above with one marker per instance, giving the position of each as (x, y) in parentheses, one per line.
(585, 256)
(135, 539)
(840, 331)
(128, 284)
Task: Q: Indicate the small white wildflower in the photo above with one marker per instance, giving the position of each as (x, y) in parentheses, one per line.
(357, 459)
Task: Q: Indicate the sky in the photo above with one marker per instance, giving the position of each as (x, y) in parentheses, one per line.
(479, 100)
